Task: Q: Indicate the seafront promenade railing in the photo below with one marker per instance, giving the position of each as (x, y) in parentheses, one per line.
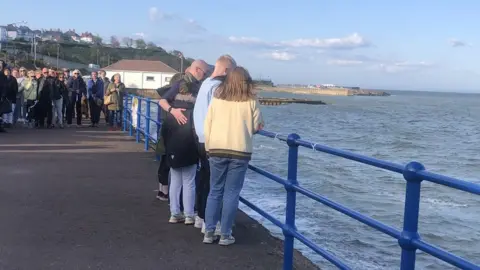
(137, 108)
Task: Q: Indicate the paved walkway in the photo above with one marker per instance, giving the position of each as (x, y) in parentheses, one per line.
(83, 199)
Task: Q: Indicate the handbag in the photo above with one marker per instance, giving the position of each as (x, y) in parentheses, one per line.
(107, 100)
(5, 106)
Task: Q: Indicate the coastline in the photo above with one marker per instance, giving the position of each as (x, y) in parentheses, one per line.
(324, 92)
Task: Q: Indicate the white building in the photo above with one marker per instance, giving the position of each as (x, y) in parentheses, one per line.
(3, 34)
(142, 74)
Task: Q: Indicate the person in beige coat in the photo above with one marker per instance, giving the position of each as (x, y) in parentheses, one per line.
(114, 101)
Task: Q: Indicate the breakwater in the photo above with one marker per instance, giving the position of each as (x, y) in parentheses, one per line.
(326, 92)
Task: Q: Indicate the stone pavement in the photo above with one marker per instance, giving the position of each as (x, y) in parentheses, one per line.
(83, 198)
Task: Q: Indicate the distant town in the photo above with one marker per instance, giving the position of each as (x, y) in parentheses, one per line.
(22, 33)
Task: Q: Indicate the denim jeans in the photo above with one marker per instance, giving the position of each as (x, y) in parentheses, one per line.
(226, 181)
(183, 177)
(8, 117)
(114, 118)
(57, 110)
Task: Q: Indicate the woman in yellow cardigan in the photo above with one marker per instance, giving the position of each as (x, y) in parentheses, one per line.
(232, 119)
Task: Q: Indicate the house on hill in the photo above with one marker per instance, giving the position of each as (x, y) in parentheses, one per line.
(142, 74)
(86, 37)
(3, 34)
(72, 35)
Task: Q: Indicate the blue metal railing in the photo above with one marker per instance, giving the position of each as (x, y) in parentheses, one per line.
(414, 173)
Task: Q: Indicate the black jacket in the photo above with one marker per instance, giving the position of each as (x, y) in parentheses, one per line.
(74, 85)
(3, 85)
(11, 88)
(180, 140)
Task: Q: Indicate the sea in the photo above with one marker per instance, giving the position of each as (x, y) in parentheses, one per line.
(440, 130)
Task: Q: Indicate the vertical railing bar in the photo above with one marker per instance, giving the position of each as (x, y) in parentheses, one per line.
(139, 119)
(291, 202)
(147, 125)
(410, 217)
(130, 116)
(124, 116)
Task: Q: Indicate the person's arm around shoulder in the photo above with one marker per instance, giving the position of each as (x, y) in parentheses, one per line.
(165, 101)
(207, 124)
(258, 123)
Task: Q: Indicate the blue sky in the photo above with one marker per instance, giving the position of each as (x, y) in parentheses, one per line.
(411, 45)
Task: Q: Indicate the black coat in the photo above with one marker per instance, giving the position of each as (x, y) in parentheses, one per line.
(11, 88)
(3, 84)
(180, 140)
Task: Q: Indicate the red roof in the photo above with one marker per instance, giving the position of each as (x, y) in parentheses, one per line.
(141, 65)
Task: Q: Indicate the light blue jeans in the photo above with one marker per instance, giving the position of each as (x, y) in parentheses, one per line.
(226, 181)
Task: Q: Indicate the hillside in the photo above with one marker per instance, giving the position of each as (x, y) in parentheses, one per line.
(100, 54)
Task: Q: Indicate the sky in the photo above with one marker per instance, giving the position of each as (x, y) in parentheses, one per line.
(380, 44)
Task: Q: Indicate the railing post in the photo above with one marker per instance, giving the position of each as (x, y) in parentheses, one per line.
(291, 202)
(139, 119)
(410, 216)
(124, 116)
(159, 118)
(147, 124)
(130, 116)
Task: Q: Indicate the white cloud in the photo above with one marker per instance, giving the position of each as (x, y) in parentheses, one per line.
(403, 66)
(140, 34)
(349, 42)
(280, 56)
(247, 40)
(457, 43)
(194, 25)
(153, 13)
(343, 62)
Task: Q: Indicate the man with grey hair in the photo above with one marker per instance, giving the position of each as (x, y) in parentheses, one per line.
(180, 140)
(223, 65)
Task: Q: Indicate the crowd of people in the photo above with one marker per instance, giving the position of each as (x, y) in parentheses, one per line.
(205, 143)
(208, 120)
(49, 98)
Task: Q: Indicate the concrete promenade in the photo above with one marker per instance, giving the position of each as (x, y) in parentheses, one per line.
(83, 198)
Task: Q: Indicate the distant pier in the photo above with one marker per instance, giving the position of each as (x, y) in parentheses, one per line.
(282, 101)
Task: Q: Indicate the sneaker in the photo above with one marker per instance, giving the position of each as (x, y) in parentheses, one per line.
(226, 240)
(203, 228)
(189, 221)
(217, 229)
(176, 219)
(162, 196)
(209, 238)
(198, 222)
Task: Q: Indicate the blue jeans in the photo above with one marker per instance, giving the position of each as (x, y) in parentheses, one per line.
(114, 118)
(226, 181)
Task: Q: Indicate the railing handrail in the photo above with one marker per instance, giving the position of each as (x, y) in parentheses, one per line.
(414, 173)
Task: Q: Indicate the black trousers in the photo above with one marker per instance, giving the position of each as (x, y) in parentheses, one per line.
(44, 111)
(74, 108)
(94, 111)
(203, 181)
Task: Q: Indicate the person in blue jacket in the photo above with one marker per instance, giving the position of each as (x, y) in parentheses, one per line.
(95, 93)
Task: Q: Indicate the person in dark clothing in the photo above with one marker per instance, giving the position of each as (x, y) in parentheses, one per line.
(103, 76)
(95, 94)
(163, 167)
(180, 141)
(3, 93)
(46, 90)
(77, 89)
(11, 88)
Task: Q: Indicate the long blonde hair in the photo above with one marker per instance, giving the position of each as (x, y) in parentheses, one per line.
(238, 86)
